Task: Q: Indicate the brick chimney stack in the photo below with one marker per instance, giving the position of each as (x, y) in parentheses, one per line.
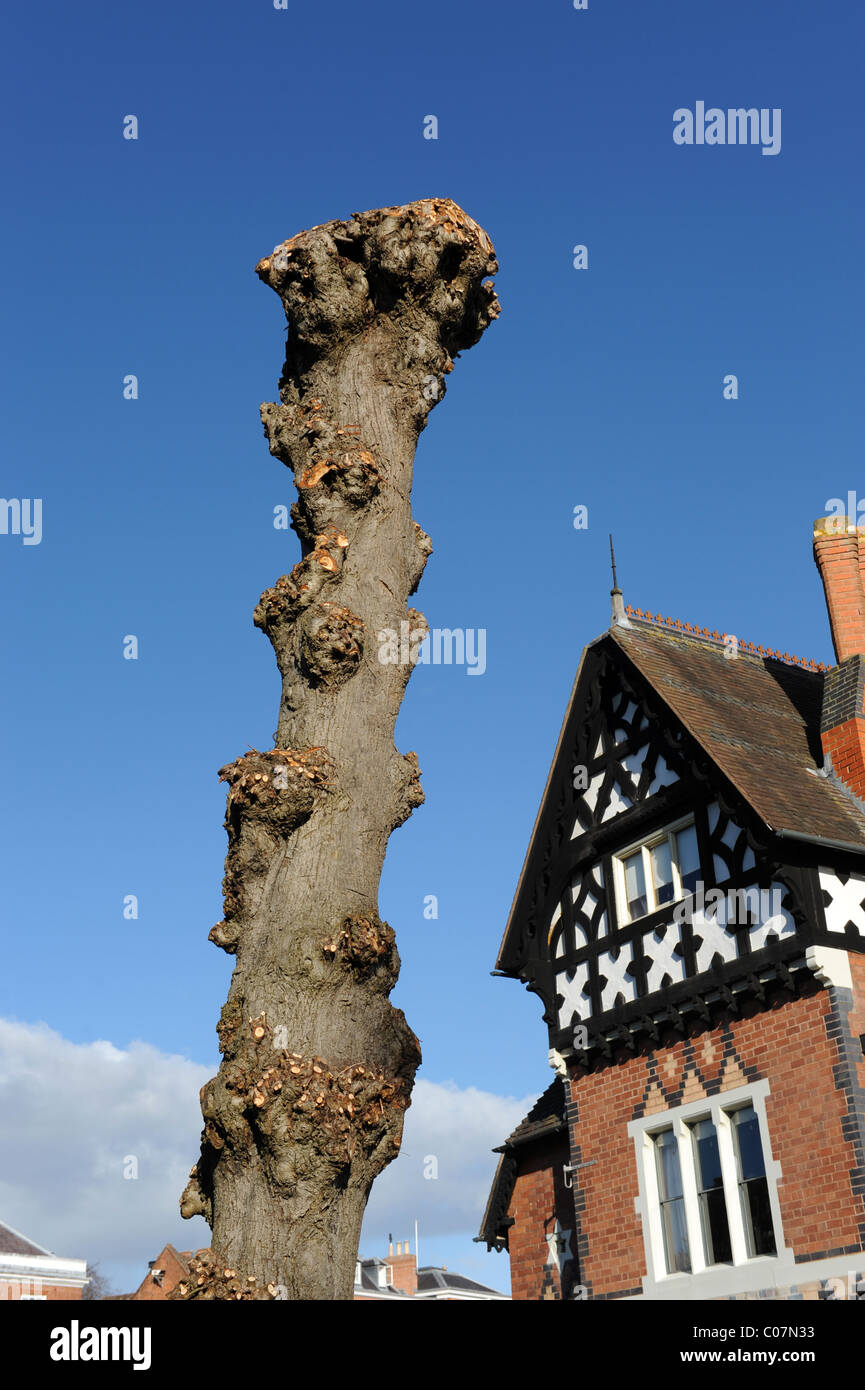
(839, 551)
(404, 1268)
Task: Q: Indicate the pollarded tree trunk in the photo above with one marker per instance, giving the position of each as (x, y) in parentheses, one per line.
(318, 1066)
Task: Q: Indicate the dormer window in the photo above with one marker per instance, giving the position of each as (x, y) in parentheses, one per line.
(661, 870)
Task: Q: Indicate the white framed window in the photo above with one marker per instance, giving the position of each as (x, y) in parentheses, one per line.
(708, 1196)
(661, 869)
(385, 1276)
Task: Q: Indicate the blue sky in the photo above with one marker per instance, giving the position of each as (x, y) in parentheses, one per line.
(600, 387)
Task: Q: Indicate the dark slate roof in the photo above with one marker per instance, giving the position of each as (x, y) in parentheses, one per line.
(429, 1278)
(546, 1116)
(13, 1243)
(758, 719)
(369, 1281)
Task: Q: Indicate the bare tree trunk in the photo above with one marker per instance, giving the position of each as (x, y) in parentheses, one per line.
(318, 1065)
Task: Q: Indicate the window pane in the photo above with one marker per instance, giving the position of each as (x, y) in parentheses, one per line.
(674, 1225)
(716, 1229)
(758, 1217)
(710, 1185)
(688, 858)
(750, 1149)
(676, 1238)
(669, 1171)
(753, 1187)
(708, 1158)
(662, 872)
(635, 885)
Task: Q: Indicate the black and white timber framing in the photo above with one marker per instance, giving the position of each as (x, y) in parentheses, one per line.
(625, 768)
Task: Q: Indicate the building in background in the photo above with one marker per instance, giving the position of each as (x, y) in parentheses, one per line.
(390, 1280)
(163, 1274)
(397, 1277)
(691, 913)
(29, 1271)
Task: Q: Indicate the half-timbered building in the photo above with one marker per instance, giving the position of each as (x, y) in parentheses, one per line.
(691, 914)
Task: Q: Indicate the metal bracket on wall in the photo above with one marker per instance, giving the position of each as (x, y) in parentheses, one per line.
(568, 1170)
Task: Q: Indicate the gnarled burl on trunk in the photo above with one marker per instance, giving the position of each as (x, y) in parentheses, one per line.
(318, 1065)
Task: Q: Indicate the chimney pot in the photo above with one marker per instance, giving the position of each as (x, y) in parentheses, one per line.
(839, 551)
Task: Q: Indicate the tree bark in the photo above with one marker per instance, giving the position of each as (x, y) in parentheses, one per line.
(318, 1066)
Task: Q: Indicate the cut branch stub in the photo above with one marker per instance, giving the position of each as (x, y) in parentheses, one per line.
(270, 795)
(332, 465)
(331, 644)
(420, 268)
(368, 947)
(317, 1065)
(276, 791)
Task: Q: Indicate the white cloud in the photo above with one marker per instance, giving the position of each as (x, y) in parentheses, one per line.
(72, 1112)
(457, 1128)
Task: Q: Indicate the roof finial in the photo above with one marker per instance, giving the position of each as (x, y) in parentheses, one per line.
(619, 616)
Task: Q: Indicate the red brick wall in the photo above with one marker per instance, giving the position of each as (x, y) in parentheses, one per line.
(175, 1270)
(839, 559)
(857, 1017)
(404, 1270)
(845, 745)
(539, 1197)
(788, 1045)
(12, 1289)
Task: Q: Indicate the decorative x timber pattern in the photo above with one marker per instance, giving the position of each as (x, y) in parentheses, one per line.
(626, 767)
(738, 912)
(843, 902)
(628, 775)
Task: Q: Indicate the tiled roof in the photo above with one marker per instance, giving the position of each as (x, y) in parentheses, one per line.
(13, 1243)
(545, 1116)
(758, 719)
